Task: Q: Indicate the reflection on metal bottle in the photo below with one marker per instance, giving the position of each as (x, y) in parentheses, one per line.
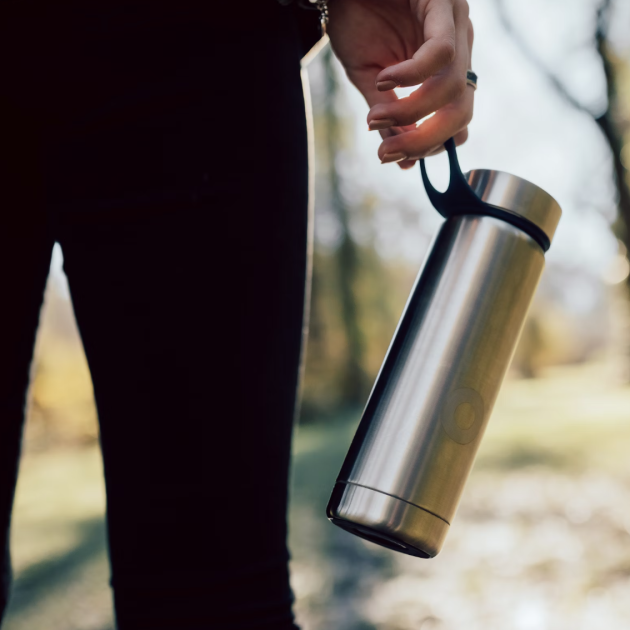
(413, 451)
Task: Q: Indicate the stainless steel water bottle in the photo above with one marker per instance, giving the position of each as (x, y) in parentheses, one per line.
(406, 468)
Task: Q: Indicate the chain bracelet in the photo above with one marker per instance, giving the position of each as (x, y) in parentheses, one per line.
(322, 5)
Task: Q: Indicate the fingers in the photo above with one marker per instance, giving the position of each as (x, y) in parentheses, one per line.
(394, 131)
(405, 165)
(364, 80)
(437, 51)
(434, 93)
(460, 137)
(431, 134)
(443, 87)
(451, 117)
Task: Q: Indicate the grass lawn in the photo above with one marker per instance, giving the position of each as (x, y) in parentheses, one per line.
(540, 541)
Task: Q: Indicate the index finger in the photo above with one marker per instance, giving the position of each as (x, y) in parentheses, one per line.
(437, 51)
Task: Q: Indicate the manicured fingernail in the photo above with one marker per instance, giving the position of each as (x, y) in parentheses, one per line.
(381, 123)
(393, 157)
(383, 86)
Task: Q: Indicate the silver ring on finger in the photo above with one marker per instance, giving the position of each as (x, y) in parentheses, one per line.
(471, 79)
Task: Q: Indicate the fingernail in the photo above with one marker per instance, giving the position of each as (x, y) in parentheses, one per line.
(407, 166)
(381, 123)
(383, 86)
(393, 157)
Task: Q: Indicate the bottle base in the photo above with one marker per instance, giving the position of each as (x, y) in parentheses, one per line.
(386, 520)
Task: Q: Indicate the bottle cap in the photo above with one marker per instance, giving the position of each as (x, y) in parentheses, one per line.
(496, 194)
(507, 191)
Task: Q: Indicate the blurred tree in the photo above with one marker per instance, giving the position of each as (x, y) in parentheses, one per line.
(526, 358)
(354, 378)
(614, 121)
(61, 408)
(357, 296)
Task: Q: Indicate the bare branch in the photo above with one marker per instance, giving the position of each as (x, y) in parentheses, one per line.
(607, 125)
(538, 63)
(606, 121)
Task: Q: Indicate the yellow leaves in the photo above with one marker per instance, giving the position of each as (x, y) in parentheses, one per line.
(61, 406)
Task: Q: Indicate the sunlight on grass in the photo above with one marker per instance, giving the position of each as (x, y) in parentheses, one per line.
(540, 541)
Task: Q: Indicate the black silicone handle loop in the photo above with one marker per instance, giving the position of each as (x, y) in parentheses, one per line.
(458, 195)
(459, 198)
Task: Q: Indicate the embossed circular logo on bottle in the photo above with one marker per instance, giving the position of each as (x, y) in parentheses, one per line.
(463, 414)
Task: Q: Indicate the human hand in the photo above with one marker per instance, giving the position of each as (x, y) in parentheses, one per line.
(384, 44)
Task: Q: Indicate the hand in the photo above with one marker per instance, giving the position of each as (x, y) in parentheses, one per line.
(385, 44)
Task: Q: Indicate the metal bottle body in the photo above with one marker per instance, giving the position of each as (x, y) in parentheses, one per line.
(404, 474)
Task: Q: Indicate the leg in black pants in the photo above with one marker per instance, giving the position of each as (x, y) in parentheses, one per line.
(184, 240)
(25, 250)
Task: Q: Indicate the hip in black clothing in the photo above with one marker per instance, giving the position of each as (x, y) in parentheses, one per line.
(184, 232)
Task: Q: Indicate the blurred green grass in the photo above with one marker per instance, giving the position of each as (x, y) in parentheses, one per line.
(553, 466)
(574, 418)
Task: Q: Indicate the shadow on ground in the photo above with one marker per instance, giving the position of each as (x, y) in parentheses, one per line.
(68, 591)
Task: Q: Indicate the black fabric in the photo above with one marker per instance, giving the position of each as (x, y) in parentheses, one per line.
(179, 198)
(307, 17)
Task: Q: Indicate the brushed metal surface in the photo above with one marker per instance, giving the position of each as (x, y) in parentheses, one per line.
(517, 195)
(429, 407)
(386, 520)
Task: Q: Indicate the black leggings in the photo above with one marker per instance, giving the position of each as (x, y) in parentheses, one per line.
(179, 198)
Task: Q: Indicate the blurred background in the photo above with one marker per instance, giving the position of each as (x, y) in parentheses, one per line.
(542, 537)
